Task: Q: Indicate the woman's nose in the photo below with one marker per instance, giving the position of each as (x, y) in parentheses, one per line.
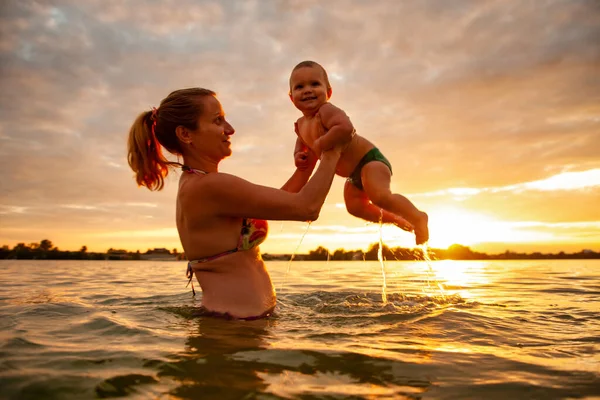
(229, 129)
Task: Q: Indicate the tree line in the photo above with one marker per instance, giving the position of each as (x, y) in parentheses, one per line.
(45, 250)
(454, 252)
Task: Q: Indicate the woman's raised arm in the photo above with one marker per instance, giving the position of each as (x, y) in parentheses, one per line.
(228, 195)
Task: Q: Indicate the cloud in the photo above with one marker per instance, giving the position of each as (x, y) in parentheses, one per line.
(160, 233)
(564, 181)
(576, 180)
(458, 94)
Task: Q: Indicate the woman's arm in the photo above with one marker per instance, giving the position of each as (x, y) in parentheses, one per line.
(297, 180)
(228, 195)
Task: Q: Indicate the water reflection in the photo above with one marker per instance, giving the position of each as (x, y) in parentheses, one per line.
(207, 367)
(529, 329)
(346, 375)
(461, 277)
(247, 359)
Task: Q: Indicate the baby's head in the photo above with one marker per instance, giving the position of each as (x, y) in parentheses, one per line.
(309, 86)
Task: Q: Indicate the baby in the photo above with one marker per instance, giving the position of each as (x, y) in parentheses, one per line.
(367, 191)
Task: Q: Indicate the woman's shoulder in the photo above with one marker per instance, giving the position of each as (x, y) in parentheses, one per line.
(209, 184)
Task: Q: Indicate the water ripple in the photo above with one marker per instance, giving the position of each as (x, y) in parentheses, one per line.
(497, 330)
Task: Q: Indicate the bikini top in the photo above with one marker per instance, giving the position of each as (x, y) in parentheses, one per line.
(253, 232)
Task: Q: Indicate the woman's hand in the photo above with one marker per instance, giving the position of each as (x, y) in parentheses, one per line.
(334, 152)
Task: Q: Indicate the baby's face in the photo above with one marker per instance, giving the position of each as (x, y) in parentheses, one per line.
(308, 89)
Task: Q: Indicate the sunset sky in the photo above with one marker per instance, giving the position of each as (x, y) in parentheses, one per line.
(489, 112)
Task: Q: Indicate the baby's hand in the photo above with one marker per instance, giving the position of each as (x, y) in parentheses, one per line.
(302, 160)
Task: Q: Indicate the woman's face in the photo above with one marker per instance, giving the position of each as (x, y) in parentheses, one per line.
(213, 130)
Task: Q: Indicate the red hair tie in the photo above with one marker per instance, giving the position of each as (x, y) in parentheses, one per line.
(154, 118)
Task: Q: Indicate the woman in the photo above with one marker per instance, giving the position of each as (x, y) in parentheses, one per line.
(220, 217)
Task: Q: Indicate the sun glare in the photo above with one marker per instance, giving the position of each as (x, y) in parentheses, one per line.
(452, 225)
(449, 226)
(460, 274)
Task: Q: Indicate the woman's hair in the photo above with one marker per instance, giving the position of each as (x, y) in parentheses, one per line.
(155, 128)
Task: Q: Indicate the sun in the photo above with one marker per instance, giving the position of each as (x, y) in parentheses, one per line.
(453, 225)
(450, 225)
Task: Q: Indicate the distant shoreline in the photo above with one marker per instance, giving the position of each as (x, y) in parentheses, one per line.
(45, 250)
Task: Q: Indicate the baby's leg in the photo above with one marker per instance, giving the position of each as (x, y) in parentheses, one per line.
(358, 204)
(376, 178)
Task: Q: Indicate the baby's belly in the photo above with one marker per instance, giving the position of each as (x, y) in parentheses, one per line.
(351, 157)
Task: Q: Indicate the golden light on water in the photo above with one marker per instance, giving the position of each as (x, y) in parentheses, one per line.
(460, 277)
(291, 383)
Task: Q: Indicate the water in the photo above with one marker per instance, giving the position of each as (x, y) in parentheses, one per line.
(381, 262)
(504, 329)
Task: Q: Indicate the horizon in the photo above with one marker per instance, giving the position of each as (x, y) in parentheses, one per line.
(176, 250)
(496, 137)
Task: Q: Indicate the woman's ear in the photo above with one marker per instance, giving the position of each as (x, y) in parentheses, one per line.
(183, 134)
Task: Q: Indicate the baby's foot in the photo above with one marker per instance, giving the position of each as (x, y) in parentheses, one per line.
(421, 229)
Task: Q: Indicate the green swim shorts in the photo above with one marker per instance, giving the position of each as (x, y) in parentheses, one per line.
(373, 155)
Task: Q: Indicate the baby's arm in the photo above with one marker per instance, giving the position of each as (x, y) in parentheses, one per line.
(301, 150)
(301, 155)
(299, 147)
(338, 125)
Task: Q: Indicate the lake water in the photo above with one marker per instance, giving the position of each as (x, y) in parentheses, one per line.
(449, 330)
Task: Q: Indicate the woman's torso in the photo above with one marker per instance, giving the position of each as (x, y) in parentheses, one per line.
(236, 283)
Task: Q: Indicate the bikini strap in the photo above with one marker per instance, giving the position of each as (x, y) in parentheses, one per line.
(191, 170)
